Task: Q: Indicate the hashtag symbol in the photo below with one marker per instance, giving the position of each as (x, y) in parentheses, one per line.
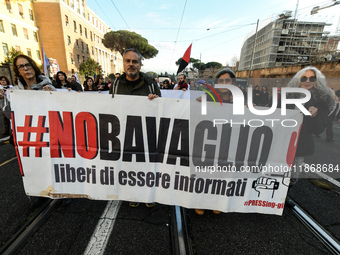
(28, 129)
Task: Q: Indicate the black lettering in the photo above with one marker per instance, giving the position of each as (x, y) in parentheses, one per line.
(81, 174)
(157, 148)
(179, 137)
(140, 177)
(166, 181)
(132, 177)
(231, 190)
(109, 122)
(70, 173)
(104, 176)
(199, 147)
(224, 146)
(241, 147)
(122, 178)
(134, 133)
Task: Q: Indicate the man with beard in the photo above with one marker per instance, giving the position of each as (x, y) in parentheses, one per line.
(181, 83)
(132, 81)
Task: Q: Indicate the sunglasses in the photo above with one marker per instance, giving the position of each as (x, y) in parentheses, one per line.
(311, 79)
(225, 81)
(27, 65)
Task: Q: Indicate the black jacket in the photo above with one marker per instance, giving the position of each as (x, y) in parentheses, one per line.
(310, 127)
(146, 86)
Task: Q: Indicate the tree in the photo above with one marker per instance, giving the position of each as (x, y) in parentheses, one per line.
(122, 39)
(11, 55)
(213, 66)
(90, 67)
(200, 67)
(192, 60)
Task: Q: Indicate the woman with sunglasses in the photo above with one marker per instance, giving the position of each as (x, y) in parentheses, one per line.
(319, 106)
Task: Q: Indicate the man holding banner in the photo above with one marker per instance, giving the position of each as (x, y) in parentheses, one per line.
(134, 82)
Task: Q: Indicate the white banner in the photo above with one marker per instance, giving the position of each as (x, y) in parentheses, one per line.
(130, 148)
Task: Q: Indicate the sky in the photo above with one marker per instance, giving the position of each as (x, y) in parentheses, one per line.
(216, 28)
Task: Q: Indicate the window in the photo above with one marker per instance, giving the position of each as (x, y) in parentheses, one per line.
(93, 20)
(71, 3)
(38, 55)
(71, 57)
(85, 30)
(2, 26)
(35, 35)
(69, 40)
(17, 48)
(78, 58)
(80, 29)
(66, 21)
(8, 5)
(87, 49)
(88, 16)
(21, 11)
(92, 50)
(96, 23)
(83, 59)
(25, 33)
(91, 35)
(29, 53)
(77, 44)
(82, 46)
(14, 30)
(30, 12)
(75, 26)
(5, 49)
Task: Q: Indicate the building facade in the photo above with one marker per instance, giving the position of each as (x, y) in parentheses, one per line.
(284, 42)
(68, 30)
(18, 29)
(71, 33)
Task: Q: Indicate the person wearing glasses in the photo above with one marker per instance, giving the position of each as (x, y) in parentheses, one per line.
(100, 84)
(28, 75)
(319, 106)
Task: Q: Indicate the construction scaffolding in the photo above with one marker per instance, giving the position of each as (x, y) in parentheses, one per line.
(286, 41)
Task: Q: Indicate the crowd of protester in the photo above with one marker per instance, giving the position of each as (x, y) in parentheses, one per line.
(324, 105)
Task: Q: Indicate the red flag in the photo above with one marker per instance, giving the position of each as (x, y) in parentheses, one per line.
(185, 60)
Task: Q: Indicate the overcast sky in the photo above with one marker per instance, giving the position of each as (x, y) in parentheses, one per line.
(217, 28)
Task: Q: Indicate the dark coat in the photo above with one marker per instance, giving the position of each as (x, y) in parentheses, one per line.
(310, 127)
(143, 88)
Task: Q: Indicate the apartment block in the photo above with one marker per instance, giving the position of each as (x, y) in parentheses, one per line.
(18, 29)
(71, 33)
(283, 42)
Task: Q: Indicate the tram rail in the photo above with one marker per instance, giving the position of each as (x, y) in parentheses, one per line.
(19, 238)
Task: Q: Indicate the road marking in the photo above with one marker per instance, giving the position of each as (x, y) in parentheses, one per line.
(103, 230)
(7, 161)
(328, 178)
